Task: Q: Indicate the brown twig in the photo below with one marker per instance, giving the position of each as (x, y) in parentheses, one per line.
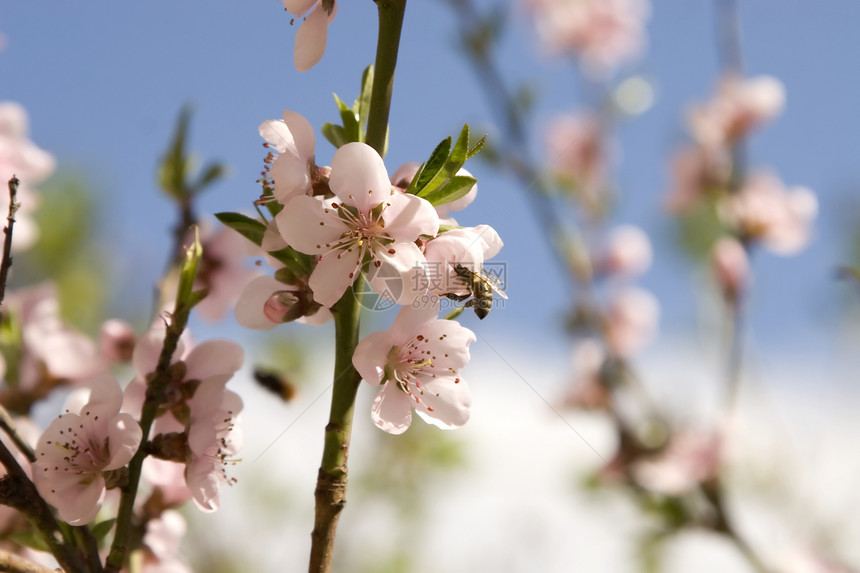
(9, 562)
(7, 240)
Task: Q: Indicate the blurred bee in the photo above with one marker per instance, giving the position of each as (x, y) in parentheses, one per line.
(481, 288)
(275, 383)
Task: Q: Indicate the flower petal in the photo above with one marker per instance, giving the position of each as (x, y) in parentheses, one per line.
(358, 176)
(298, 7)
(392, 409)
(307, 225)
(444, 402)
(371, 356)
(290, 176)
(303, 134)
(124, 437)
(249, 308)
(311, 39)
(214, 358)
(398, 273)
(334, 273)
(407, 216)
(411, 320)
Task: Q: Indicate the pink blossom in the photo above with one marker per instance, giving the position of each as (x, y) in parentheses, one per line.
(222, 271)
(213, 440)
(738, 107)
(311, 37)
(20, 157)
(417, 363)
(731, 266)
(79, 446)
(368, 228)
(766, 211)
(696, 172)
(631, 321)
(162, 539)
(116, 340)
(627, 252)
(690, 459)
(575, 150)
(48, 343)
(292, 170)
(587, 390)
(602, 33)
(168, 477)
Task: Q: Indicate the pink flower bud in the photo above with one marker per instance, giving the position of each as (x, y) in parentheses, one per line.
(117, 340)
(628, 252)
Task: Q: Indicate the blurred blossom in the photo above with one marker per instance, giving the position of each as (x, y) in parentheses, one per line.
(811, 561)
(690, 459)
(697, 172)
(739, 106)
(169, 478)
(79, 446)
(575, 152)
(764, 210)
(50, 348)
(417, 365)
(163, 537)
(587, 390)
(731, 266)
(631, 321)
(116, 340)
(627, 252)
(20, 157)
(311, 36)
(603, 34)
(222, 271)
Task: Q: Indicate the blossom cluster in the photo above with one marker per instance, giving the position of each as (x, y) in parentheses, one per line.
(752, 205)
(353, 222)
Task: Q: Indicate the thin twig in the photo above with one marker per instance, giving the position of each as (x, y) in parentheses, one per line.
(8, 426)
(7, 240)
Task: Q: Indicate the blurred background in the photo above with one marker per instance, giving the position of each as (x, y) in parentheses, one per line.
(103, 86)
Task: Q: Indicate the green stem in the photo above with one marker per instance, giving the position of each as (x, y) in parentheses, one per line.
(390, 24)
(330, 492)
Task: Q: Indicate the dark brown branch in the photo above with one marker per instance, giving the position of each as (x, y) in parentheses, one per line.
(7, 241)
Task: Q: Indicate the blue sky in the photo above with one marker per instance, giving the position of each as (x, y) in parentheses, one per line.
(103, 85)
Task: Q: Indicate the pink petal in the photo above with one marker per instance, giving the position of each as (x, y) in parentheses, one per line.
(444, 403)
(204, 482)
(371, 356)
(411, 320)
(401, 274)
(462, 202)
(307, 225)
(404, 174)
(407, 216)
(334, 273)
(450, 345)
(392, 409)
(80, 503)
(310, 40)
(249, 308)
(290, 176)
(277, 134)
(303, 134)
(123, 440)
(358, 176)
(214, 358)
(490, 239)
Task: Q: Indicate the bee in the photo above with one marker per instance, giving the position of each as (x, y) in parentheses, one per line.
(481, 288)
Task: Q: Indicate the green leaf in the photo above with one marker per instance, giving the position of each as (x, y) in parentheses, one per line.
(298, 263)
(431, 167)
(174, 166)
(457, 187)
(335, 134)
(477, 147)
(362, 106)
(251, 229)
(455, 312)
(350, 120)
(102, 528)
(30, 539)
